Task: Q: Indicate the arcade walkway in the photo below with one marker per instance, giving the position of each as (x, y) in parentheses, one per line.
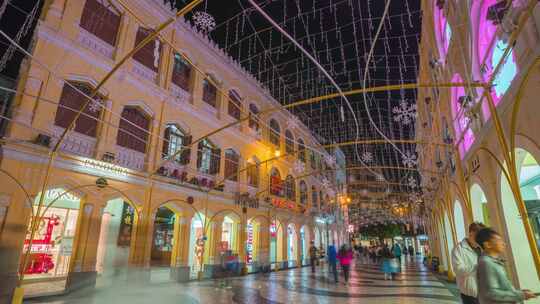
(415, 285)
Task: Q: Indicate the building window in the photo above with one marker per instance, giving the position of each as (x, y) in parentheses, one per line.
(235, 105)
(208, 158)
(103, 21)
(176, 140)
(209, 93)
(71, 102)
(133, 129)
(303, 193)
(313, 160)
(253, 117)
(232, 160)
(301, 150)
(462, 123)
(253, 172)
(506, 74)
(321, 203)
(443, 31)
(276, 184)
(289, 142)
(486, 16)
(290, 188)
(181, 72)
(275, 132)
(148, 55)
(314, 200)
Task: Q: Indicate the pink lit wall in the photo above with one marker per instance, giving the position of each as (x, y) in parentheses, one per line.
(464, 134)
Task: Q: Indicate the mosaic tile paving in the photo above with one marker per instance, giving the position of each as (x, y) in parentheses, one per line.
(367, 285)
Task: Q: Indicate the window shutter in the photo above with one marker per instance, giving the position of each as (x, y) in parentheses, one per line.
(166, 139)
(215, 163)
(199, 154)
(100, 21)
(146, 54)
(186, 152)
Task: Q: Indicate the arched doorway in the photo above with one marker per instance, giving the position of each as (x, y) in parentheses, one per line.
(117, 227)
(164, 243)
(229, 235)
(292, 245)
(197, 245)
(459, 221)
(52, 246)
(304, 241)
(253, 234)
(163, 237)
(528, 172)
(317, 237)
(479, 205)
(276, 243)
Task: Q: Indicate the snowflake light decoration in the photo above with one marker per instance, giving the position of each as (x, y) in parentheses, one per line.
(325, 183)
(380, 178)
(95, 106)
(405, 113)
(299, 167)
(367, 157)
(411, 181)
(409, 159)
(293, 122)
(204, 21)
(330, 160)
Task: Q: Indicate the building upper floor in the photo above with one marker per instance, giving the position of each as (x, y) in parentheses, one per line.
(178, 107)
(465, 45)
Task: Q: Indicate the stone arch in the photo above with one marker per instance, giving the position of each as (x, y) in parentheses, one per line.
(459, 220)
(479, 203)
(528, 171)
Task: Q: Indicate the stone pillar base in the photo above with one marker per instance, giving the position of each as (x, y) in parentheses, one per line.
(79, 280)
(7, 288)
(180, 273)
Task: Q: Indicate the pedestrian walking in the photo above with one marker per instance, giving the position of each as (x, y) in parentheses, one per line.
(313, 256)
(345, 257)
(332, 261)
(494, 286)
(396, 251)
(412, 253)
(464, 262)
(390, 265)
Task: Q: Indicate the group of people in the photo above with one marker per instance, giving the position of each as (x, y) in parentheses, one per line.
(344, 256)
(480, 270)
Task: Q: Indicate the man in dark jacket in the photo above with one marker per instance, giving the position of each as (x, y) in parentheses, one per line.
(332, 261)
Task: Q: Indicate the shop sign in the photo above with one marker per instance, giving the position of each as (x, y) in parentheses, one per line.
(280, 203)
(273, 230)
(249, 245)
(105, 167)
(126, 226)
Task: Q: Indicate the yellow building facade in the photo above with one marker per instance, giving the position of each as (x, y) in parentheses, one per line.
(479, 73)
(148, 184)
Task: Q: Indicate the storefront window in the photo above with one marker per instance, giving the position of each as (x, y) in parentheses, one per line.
(52, 245)
(163, 238)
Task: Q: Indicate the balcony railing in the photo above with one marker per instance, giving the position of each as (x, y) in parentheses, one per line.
(180, 95)
(74, 143)
(143, 72)
(93, 43)
(130, 158)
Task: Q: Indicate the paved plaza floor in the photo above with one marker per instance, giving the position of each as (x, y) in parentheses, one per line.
(415, 284)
